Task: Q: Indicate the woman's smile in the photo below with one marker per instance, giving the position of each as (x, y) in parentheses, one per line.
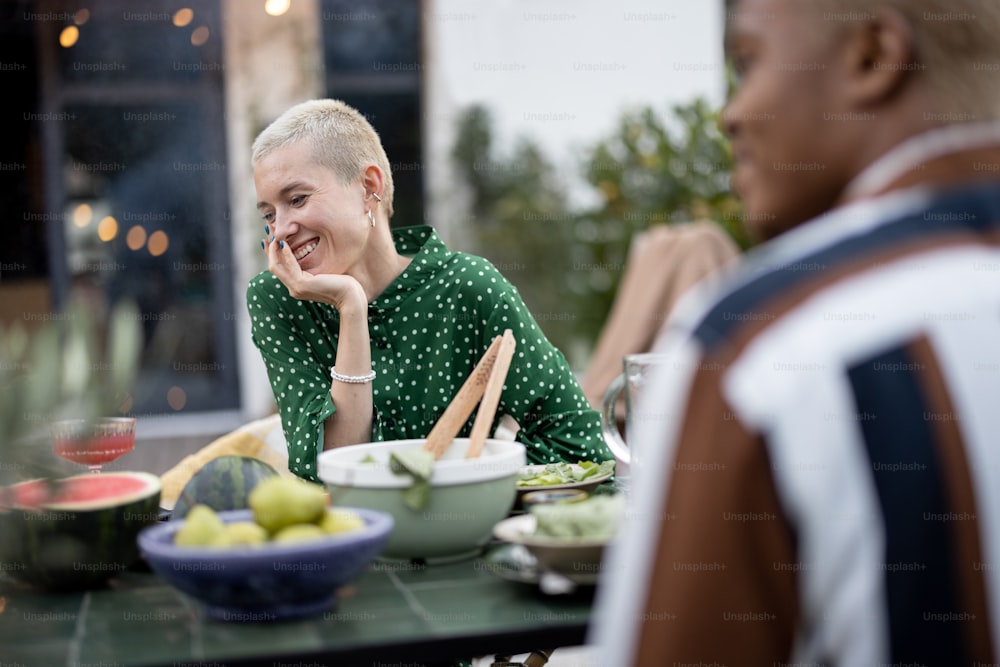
(305, 249)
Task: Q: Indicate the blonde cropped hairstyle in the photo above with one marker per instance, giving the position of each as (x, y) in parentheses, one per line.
(956, 47)
(341, 139)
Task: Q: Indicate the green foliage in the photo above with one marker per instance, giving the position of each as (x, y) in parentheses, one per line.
(521, 220)
(567, 263)
(61, 370)
(668, 170)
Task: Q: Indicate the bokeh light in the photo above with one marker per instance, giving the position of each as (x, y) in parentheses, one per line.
(82, 215)
(158, 243)
(107, 228)
(81, 16)
(200, 35)
(176, 398)
(136, 237)
(69, 35)
(276, 7)
(183, 17)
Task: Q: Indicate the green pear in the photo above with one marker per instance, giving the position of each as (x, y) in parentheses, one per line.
(300, 532)
(202, 528)
(278, 502)
(340, 521)
(245, 533)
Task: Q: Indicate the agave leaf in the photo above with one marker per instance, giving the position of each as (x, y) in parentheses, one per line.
(42, 384)
(124, 348)
(77, 361)
(12, 402)
(56, 371)
(15, 345)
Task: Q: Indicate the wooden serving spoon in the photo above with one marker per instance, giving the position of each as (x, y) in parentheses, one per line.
(486, 383)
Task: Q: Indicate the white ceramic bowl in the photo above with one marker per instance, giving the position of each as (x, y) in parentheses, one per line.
(468, 496)
(577, 559)
(587, 485)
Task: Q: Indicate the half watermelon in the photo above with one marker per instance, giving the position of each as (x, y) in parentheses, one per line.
(78, 532)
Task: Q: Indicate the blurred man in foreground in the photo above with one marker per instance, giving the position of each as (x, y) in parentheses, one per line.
(826, 489)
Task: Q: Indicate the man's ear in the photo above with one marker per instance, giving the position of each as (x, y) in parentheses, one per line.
(879, 58)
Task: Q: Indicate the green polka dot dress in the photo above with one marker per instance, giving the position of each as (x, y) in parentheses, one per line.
(428, 330)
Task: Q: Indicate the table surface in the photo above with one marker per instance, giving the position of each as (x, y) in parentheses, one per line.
(408, 614)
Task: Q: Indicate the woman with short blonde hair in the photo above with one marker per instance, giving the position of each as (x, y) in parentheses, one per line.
(368, 332)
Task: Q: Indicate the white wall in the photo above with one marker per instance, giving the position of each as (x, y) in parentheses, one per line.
(272, 62)
(561, 71)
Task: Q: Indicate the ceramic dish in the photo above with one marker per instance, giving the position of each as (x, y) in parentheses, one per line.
(514, 562)
(468, 496)
(546, 496)
(587, 485)
(577, 559)
(270, 582)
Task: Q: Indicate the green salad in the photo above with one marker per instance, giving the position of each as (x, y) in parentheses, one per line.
(596, 518)
(564, 473)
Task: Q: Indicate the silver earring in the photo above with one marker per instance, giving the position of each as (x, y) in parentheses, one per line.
(377, 198)
(371, 218)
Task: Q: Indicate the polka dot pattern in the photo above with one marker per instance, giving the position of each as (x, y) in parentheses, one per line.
(428, 330)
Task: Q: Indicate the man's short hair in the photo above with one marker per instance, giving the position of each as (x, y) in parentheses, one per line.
(956, 45)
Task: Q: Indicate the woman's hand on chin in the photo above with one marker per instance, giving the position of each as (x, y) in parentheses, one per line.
(343, 292)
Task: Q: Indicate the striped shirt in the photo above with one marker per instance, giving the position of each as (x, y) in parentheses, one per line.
(823, 487)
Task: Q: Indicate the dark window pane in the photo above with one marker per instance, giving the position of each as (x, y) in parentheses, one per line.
(372, 36)
(139, 41)
(372, 61)
(140, 192)
(23, 252)
(396, 118)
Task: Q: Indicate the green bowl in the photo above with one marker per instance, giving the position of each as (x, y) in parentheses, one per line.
(468, 496)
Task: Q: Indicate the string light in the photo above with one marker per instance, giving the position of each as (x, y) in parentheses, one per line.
(200, 35)
(107, 229)
(176, 398)
(158, 243)
(276, 7)
(82, 215)
(136, 237)
(69, 35)
(183, 17)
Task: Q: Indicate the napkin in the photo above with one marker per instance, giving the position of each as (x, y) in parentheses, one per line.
(253, 439)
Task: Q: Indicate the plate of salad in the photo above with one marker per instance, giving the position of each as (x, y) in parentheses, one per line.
(585, 475)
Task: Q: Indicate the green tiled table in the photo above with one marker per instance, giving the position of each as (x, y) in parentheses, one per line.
(392, 615)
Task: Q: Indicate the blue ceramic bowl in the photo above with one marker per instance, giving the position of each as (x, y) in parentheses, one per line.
(271, 582)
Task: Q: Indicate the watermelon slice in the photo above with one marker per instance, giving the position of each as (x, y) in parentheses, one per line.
(76, 533)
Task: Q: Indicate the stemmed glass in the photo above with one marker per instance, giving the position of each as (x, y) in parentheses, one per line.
(93, 442)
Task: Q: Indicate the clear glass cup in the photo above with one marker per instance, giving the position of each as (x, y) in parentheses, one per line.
(638, 370)
(93, 442)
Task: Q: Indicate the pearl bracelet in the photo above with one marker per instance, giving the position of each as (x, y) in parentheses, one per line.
(352, 379)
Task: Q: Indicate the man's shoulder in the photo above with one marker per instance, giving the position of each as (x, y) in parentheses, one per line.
(868, 238)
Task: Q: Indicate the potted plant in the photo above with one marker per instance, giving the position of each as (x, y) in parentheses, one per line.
(79, 363)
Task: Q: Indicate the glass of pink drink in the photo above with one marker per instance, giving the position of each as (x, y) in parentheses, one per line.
(93, 442)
